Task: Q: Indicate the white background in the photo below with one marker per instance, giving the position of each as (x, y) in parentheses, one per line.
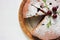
(9, 23)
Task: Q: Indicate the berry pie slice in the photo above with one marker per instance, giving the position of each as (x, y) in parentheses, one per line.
(40, 19)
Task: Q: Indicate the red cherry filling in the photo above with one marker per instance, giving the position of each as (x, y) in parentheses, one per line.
(49, 13)
(54, 16)
(54, 9)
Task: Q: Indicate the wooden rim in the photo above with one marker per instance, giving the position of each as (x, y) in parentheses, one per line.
(22, 22)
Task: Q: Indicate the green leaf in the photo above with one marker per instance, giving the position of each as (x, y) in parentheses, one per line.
(58, 12)
(49, 23)
(45, 4)
(44, 1)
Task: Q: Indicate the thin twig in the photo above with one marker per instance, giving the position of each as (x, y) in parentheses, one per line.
(40, 9)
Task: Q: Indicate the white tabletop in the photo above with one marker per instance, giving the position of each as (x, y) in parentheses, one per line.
(9, 23)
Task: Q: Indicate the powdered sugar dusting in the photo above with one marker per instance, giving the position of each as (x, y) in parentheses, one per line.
(48, 33)
(42, 31)
(32, 11)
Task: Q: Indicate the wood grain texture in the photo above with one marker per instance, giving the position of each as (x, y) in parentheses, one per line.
(22, 22)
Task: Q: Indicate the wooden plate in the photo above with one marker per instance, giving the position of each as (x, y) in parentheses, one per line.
(22, 21)
(23, 24)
